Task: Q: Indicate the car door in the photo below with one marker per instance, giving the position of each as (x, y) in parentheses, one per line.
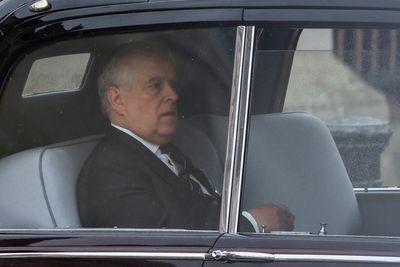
(322, 165)
(51, 119)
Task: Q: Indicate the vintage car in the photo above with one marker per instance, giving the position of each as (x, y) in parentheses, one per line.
(293, 102)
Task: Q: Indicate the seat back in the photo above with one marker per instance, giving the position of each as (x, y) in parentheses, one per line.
(198, 147)
(293, 160)
(38, 185)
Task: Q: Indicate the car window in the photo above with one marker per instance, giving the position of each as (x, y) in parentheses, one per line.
(118, 133)
(350, 83)
(45, 75)
(322, 146)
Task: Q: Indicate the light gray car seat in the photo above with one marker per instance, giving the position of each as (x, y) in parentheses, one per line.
(37, 186)
(293, 160)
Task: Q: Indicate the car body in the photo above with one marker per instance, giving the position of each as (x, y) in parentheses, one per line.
(239, 57)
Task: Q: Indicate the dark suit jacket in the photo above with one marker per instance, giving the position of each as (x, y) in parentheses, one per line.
(124, 184)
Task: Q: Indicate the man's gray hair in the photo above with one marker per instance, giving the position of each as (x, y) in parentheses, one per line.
(118, 70)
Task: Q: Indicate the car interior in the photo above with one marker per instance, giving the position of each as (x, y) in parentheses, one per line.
(47, 136)
(291, 156)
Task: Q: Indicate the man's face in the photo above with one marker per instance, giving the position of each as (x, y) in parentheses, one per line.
(150, 106)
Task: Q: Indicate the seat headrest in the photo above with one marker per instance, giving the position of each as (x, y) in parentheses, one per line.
(293, 160)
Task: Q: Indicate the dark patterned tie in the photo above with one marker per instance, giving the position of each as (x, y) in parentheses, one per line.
(204, 208)
(185, 167)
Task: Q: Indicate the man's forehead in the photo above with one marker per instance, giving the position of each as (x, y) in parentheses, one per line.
(152, 64)
(151, 58)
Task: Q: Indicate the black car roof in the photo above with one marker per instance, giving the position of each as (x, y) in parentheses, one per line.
(10, 7)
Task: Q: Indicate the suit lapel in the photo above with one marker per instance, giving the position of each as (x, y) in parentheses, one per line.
(165, 182)
(147, 156)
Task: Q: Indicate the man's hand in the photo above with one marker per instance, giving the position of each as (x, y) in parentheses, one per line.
(273, 217)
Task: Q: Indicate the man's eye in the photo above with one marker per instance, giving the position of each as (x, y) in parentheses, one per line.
(175, 85)
(156, 86)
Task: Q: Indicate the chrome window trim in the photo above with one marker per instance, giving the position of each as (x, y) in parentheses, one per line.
(102, 230)
(335, 258)
(377, 189)
(237, 129)
(232, 129)
(242, 129)
(214, 256)
(239, 256)
(104, 255)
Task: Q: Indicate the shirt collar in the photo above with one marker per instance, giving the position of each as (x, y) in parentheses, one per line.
(152, 147)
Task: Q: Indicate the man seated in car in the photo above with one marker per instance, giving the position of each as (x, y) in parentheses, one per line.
(135, 178)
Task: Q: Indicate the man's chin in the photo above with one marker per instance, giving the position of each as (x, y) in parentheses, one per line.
(167, 125)
(166, 135)
(163, 140)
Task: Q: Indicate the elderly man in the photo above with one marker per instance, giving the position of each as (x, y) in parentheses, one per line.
(134, 177)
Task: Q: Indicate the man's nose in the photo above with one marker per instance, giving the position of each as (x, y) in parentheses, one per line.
(171, 92)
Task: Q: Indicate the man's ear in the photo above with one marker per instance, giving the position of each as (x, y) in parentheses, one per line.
(116, 100)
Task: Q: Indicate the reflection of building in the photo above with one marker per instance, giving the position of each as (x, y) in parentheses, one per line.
(320, 83)
(372, 54)
(334, 84)
(383, 44)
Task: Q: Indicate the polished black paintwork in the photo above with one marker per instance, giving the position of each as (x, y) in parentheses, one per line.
(307, 244)
(284, 243)
(104, 241)
(125, 240)
(13, 12)
(21, 29)
(310, 244)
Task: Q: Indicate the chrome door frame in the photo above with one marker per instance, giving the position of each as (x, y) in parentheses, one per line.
(237, 129)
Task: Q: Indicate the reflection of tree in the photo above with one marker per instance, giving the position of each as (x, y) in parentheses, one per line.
(57, 28)
(373, 54)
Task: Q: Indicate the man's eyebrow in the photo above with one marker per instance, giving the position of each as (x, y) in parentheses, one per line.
(154, 79)
(159, 78)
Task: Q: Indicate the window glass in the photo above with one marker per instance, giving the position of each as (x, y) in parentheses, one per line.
(133, 147)
(56, 74)
(324, 120)
(350, 83)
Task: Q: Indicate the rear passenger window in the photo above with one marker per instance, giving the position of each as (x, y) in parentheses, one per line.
(62, 73)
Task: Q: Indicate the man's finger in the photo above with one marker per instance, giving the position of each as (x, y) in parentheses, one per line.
(284, 207)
